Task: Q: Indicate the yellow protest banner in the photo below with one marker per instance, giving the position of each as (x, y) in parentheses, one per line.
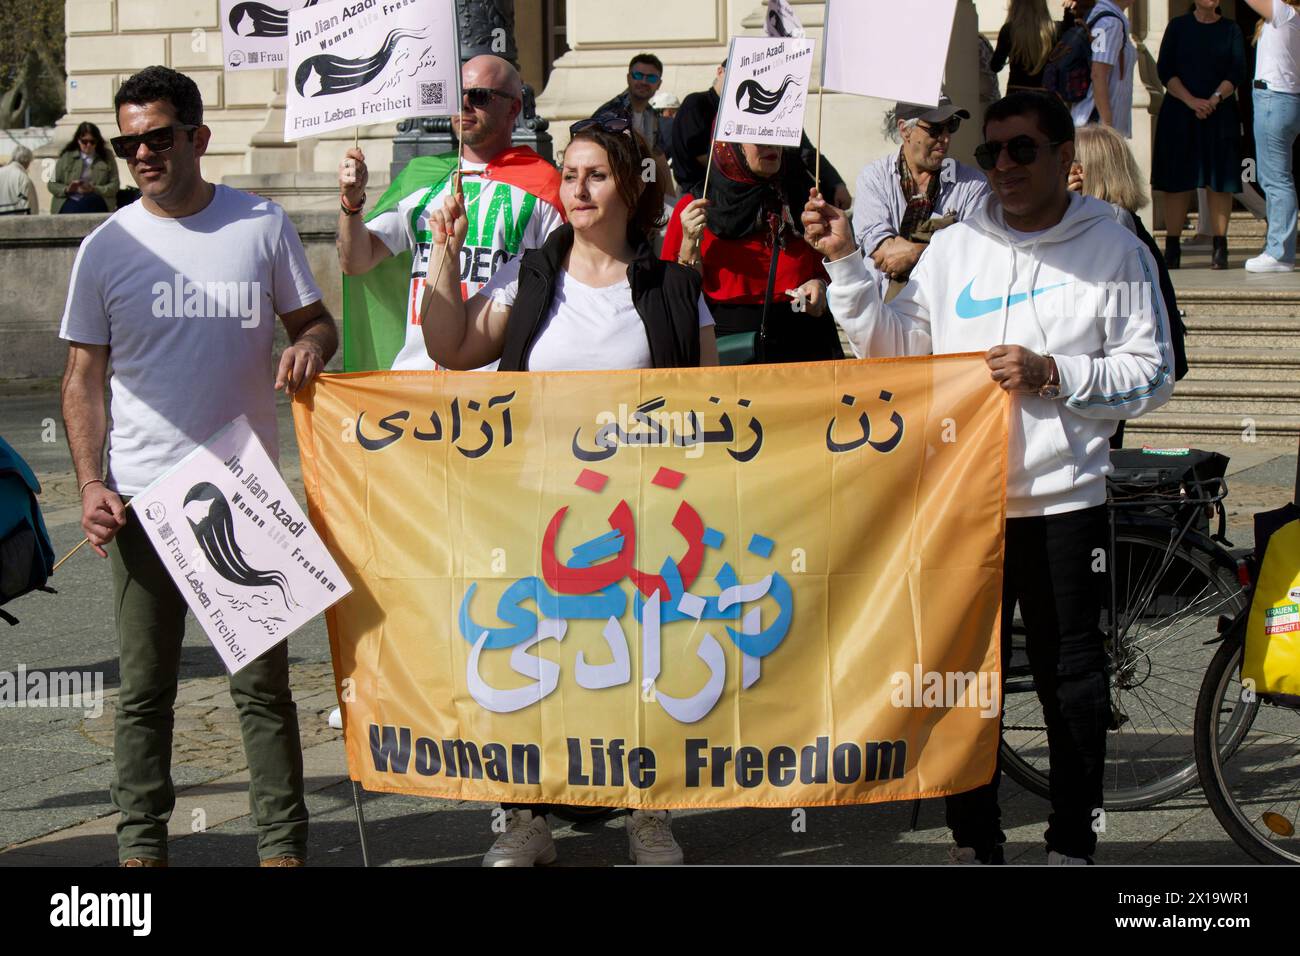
(759, 586)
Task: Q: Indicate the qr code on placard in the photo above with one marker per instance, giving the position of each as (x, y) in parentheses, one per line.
(431, 94)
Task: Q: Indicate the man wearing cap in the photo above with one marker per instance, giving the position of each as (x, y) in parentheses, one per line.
(901, 200)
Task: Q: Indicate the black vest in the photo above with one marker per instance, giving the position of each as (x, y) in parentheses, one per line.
(666, 296)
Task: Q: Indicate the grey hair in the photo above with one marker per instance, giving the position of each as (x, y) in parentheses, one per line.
(21, 155)
(890, 125)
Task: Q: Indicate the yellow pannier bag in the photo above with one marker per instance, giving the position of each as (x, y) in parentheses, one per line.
(1273, 632)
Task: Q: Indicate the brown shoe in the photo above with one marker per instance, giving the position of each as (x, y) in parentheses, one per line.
(284, 861)
(142, 861)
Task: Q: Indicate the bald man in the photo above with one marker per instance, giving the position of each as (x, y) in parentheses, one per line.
(512, 196)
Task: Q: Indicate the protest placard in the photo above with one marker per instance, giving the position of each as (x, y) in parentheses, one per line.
(357, 62)
(255, 36)
(871, 49)
(766, 91)
(238, 546)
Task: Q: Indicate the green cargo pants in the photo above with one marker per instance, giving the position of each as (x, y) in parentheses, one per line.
(150, 626)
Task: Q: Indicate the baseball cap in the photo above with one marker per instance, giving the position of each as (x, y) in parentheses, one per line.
(930, 114)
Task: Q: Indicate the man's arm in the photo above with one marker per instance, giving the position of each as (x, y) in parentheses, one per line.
(313, 339)
(874, 329)
(872, 217)
(85, 424)
(360, 250)
(1101, 92)
(1135, 373)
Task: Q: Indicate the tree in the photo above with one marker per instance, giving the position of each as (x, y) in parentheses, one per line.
(31, 63)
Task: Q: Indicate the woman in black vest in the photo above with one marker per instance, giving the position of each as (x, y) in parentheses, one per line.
(593, 297)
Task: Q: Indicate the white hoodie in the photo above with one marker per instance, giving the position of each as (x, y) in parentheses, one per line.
(1085, 292)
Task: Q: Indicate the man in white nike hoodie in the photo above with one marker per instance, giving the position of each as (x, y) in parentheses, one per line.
(1065, 303)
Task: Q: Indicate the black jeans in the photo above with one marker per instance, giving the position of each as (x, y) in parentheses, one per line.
(1049, 570)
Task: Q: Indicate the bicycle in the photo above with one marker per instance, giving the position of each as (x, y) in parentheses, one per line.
(1170, 580)
(1248, 742)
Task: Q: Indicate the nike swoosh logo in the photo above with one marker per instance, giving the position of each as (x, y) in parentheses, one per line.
(969, 307)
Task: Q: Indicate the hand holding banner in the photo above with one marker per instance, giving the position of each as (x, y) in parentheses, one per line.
(367, 62)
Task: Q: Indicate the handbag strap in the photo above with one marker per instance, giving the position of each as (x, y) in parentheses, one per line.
(775, 223)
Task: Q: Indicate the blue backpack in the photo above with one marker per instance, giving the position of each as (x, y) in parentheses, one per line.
(1068, 72)
(26, 555)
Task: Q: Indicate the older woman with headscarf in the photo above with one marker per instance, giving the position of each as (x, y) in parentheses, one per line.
(764, 284)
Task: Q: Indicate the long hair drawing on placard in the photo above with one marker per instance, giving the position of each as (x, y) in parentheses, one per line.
(326, 74)
(253, 19)
(210, 518)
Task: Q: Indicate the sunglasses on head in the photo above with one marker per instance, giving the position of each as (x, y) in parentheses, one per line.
(610, 124)
(949, 126)
(1023, 150)
(645, 77)
(158, 140)
(479, 97)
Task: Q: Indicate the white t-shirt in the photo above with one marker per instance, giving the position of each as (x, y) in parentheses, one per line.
(587, 328)
(1278, 53)
(1109, 37)
(187, 308)
(504, 221)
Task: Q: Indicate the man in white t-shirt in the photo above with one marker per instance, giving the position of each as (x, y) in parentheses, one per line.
(1114, 56)
(512, 194)
(1276, 98)
(179, 292)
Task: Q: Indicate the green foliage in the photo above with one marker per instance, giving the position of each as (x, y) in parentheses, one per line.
(31, 63)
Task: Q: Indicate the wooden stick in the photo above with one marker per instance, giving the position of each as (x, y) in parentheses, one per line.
(708, 170)
(84, 542)
(817, 176)
(356, 137)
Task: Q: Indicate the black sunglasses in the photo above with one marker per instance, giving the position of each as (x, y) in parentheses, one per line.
(950, 126)
(158, 140)
(480, 97)
(1023, 150)
(613, 123)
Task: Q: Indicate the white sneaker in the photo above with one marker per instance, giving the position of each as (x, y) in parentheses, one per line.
(1060, 859)
(1266, 263)
(650, 839)
(527, 841)
(336, 718)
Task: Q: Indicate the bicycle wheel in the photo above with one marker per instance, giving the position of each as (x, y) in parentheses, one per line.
(1248, 756)
(1169, 602)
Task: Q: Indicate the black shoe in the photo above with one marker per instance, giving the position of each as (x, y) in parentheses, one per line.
(1219, 257)
(1173, 252)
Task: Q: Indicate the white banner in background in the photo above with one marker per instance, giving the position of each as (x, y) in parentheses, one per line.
(358, 62)
(240, 549)
(254, 35)
(766, 91)
(871, 48)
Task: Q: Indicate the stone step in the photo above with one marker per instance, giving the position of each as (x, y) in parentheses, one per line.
(1169, 427)
(1242, 331)
(1235, 397)
(1239, 299)
(1237, 364)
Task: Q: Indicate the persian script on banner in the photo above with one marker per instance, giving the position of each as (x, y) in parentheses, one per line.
(759, 586)
(765, 93)
(237, 545)
(357, 62)
(255, 35)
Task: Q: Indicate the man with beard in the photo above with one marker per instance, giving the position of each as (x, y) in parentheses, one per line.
(512, 199)
(177, 294)
(903, 198)
(645, 74)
